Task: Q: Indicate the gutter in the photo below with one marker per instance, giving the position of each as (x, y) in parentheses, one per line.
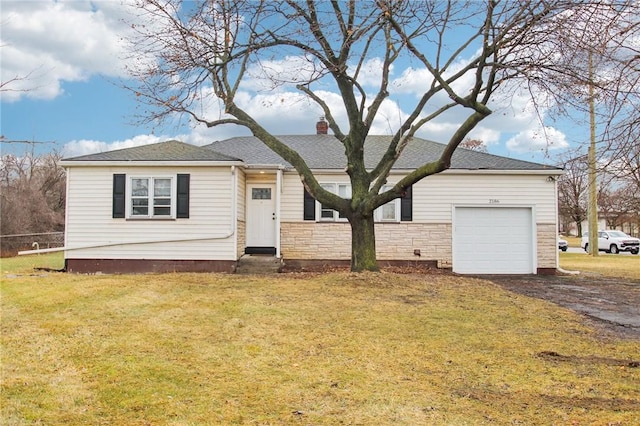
(141, 163)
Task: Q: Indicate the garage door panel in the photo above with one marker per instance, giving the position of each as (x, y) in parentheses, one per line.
(493, 240)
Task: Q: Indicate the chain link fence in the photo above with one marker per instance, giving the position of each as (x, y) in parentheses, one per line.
(10, 245)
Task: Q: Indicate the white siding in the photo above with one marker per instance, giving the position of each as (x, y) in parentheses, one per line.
(434, 196)
(241, 196)
(292, 207)
(434, 199)
(206, 235)
(291, 201)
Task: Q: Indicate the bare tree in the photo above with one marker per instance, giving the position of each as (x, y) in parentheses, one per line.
(594, 71)
(10, 84)
(613, 206)
(32, 193)
(625, 170)
(617, 192)
(212, 46)
(572, 192)
(474, 144)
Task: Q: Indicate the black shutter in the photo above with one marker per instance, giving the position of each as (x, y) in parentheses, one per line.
(309, 206)
(183, 197)
(119, 184)
(406, 208)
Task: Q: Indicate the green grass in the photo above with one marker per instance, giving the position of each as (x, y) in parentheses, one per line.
(612, 265)
(573, 241)
(339, 348)
(27, 264)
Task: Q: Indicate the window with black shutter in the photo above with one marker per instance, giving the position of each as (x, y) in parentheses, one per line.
(406, 205)
(309, 206)
(119, 196)
(183, 196)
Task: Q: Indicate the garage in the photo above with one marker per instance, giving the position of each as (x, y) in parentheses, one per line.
(493, 240)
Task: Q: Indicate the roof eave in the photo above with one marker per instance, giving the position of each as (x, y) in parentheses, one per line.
(550, 171)
(138, 163)
(267, 166)
(456, 171)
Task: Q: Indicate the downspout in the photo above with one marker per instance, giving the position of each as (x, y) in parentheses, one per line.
(66, 213)
(555, 211)
(278, 198)
(234, 208)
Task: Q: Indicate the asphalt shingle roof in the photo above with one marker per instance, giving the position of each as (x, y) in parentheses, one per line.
(163, 151)
(319, 151)
(326, 152)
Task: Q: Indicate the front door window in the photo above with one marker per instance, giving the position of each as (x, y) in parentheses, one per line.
(261, 193)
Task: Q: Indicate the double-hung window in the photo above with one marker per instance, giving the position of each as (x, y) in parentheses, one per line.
(389, 212)
(340, 189)
(161, 197)
(152, 197)
(396, 210)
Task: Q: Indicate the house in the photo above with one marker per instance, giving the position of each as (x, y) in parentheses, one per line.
(177, 207)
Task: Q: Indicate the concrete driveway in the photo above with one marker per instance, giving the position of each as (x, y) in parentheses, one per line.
(612, 304)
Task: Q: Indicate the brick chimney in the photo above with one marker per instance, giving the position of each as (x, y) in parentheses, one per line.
(322, 127)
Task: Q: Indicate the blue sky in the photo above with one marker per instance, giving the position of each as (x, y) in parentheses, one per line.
(68, 58)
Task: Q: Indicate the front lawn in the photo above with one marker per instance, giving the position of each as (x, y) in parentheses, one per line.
(573, 241)
(612, 265)
(30, 264)
(339, 348)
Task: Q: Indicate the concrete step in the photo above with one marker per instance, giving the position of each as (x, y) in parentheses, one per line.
(259, 264)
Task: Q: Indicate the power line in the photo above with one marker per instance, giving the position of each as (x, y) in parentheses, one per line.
(3, 140)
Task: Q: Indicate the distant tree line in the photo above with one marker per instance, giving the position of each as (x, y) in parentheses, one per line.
(32, 196)
(618, 192)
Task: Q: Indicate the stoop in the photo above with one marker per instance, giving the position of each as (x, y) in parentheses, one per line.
(260, 264)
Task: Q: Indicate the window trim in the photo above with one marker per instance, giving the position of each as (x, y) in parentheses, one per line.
(150, 196)
(378, 213)
(334, 187)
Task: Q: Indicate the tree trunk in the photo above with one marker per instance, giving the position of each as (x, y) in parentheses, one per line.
(363, 244)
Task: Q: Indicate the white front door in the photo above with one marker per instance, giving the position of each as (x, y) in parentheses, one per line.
(261, 215)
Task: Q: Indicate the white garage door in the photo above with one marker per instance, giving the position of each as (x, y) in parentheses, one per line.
(493, 240)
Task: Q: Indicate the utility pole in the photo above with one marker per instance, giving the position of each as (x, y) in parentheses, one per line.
(593, 191)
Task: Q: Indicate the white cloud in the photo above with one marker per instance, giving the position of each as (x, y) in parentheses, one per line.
(485, 134)
(537, 140)
(85, 147)
(280, 112)
(45, 43)
(272, 74)
(371, 72)
(412, 81)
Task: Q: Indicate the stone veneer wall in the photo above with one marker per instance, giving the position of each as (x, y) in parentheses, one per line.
(547, 245)
(394, 241)
(241, 229)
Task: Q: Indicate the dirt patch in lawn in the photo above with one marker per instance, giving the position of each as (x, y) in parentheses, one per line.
(610, 304)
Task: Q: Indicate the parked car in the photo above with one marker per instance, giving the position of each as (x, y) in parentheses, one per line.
(562, 244)
(612, 241)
